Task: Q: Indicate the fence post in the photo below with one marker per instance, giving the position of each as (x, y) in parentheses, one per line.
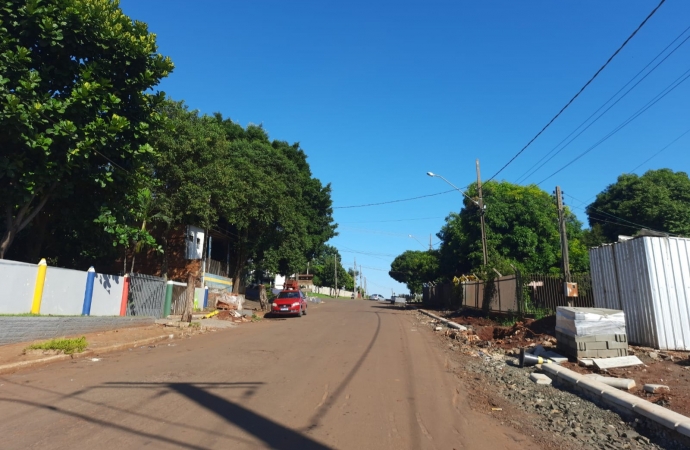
(125, 295)
(38, 289)
(168, 299)
(519, 293)
(88, 292)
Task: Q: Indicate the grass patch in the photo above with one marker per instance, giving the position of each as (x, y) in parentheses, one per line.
(316, 294)
(68, 346)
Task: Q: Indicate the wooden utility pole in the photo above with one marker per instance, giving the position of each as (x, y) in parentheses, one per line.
(430, 247)
(361, 282)
(189, 303)
(481, 215)
(354, 279)
(335, 271)
(565, 261)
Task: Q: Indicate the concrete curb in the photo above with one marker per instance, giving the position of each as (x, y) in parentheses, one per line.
(447, 322)
(621, 400)
(87, 353)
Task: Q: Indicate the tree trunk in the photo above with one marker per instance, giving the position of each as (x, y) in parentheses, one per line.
(164, 265)
(263, 299)
(189, 303)
(16, 223)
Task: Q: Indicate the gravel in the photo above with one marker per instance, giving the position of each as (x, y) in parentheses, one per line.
(561, 415)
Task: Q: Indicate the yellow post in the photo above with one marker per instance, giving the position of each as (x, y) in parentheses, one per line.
(38, 290)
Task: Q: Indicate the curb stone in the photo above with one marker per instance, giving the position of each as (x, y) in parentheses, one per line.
(86, 353)
(447, 322)
(631, 403)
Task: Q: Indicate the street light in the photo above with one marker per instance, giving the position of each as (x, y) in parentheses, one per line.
(434, 175)
(420, 242)
(480, 205)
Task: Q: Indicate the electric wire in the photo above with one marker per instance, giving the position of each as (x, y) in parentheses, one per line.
(634, 116)
(613, 216)
(532, 170)
(657, 153)
(579, 92)
(393, 201)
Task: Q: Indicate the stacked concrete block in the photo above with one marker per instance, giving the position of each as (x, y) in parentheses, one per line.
(591, 332)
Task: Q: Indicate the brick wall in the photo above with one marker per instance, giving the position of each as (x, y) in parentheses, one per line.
(25, 329)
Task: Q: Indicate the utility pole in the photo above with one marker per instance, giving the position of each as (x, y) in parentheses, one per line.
(335, 271)
(481, 215)
(430, 248)
(354, 279)
(361, 283)
(565, 262)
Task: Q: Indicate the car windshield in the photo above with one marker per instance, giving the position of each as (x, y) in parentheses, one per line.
(288, 295)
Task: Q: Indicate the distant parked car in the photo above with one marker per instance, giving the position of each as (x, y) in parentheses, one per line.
(376, 297)
(290, 302)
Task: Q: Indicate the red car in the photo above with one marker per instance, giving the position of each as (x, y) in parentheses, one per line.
(290, 302)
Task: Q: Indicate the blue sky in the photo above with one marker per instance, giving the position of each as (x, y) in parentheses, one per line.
(380, 92)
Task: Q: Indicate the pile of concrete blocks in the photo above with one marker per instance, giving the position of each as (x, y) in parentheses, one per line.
(591, 332)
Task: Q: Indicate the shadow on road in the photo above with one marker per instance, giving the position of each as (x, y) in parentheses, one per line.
(273, 434)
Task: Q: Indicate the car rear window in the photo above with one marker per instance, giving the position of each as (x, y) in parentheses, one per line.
(288, 295)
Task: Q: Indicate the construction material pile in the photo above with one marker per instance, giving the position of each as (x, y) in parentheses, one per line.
(591, 332)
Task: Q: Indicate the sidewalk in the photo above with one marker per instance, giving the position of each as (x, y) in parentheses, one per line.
(12, 356)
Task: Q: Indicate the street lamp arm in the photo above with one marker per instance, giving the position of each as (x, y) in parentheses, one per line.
(454, 186)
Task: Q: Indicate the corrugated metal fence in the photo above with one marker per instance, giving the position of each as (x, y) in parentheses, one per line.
(146, 296)
(649, 279)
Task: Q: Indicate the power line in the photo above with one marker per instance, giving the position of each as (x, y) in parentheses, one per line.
(531, 172)
(393, 201)
(657, 153)
(613, 216)
(580, 91)
(395, 220)
(638, 113)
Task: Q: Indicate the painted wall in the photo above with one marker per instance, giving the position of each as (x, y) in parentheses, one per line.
(63, 292)
(25, 329)
(17, 281)
(107, 295)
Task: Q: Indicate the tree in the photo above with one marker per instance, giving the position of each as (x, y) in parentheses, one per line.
(75, 101)
(415, 268)
(521, 229)
(658, 200)
(276, 212)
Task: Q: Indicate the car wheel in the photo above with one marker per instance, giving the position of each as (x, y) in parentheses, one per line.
(299, 314)
(305, 311)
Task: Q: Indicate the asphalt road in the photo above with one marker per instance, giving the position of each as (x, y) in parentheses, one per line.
(349, 375)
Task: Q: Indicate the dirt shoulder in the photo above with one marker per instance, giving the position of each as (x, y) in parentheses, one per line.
(557, 418)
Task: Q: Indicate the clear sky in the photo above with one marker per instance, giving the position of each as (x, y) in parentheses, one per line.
(380, 92)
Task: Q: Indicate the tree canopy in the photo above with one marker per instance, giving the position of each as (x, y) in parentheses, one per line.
(658, 200)
(414, 268)
(76, 107)
(521, 230)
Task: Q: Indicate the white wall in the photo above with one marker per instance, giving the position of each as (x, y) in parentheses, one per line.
(63, 292)
(107, 295)
(17, 282)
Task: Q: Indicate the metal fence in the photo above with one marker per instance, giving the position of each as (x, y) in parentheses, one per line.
(146, 296)
(499, 295)
(179, 298)
(547, 291)
(217, 267)
(522, 294)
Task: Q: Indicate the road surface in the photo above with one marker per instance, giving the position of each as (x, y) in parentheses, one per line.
(352, 374)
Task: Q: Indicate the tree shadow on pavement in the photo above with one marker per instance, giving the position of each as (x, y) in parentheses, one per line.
(273, 434)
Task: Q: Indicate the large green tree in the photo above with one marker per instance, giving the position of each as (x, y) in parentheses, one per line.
(521, 230)
(659, 200)
(276, 212)
(414, 268)
(75, 102)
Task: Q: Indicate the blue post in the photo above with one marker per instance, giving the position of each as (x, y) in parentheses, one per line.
(205, 297)
(88, 293)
